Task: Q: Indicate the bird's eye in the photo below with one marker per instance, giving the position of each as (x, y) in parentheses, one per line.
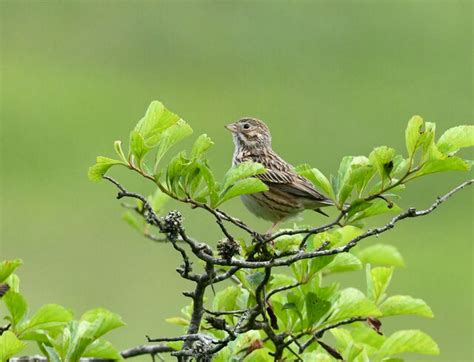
(246, 126)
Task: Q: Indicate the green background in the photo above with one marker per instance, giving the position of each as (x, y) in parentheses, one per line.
(331, 78)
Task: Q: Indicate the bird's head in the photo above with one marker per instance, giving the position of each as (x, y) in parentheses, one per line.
(250, 132)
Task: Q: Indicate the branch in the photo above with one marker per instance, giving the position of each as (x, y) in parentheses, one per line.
(410, 213)
(142, 350)
(319, 333)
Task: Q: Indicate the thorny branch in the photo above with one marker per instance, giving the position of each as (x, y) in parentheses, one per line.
(201, 346)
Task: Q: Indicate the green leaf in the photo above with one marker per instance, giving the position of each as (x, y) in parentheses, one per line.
(382, 158)
(158, 200)
(138, 147)
(104, 319)
(413, 133)
(242, 171)
(170, 137)
(17, 306)
(119, 151)
(77, 336)
(456, 138)
(316, 308)
(178, 321)
(317, 264)
(352, 303)
(103, 164)
(254, 279)
(376, 207)
(156, 120)
(202, 144)
(316, 177)
(102, 349)
(48, 317)
(231, 298)
(378, 280)
(441, 165)
(243, 187)
(381, 254)
(10, 345)
(7, 267)
(409, 341)
(131, 219)
(211, 186)
(404, 304)
(343, 263)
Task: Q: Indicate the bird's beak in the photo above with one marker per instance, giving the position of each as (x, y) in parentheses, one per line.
(231, 127)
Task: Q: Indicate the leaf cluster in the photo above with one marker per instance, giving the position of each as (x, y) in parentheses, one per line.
(52, 327)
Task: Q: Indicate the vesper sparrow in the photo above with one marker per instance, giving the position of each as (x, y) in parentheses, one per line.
(289, 193)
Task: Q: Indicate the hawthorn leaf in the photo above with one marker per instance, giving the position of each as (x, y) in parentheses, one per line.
(242, 171)
(343, 263)
(17, 307)
(404, 304)
(381, 254)
(378, 280)
(351, 303)
(102, 165)
(7, 267)
(102, 349)
(317, 178)
(202, 144)
(243, 187)
(174, 134)
(315, 308)
(413, 133)
(409, 341)
(456, 138)
(156, 120)
(382, 158)
(105, 320)
(49, 317)
(10, 345)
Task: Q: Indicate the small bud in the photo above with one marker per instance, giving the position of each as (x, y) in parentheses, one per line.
(227, 248)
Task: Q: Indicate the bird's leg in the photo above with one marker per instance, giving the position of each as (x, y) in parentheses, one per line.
(270, 231)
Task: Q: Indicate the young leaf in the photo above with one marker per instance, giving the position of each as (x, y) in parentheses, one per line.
(317, 178)
(10, 345)
(17, 307)
(170, 137)
(241, 171)
(119, 151)
(158, 200)
(202, 144)
(131, 219)
(404, 304)
(97, 171)
(351, 303)
(376, 207)
(316, 308)
(103, 350)
(105, 319)
(343, 263)
(7, 267)
(48, 317)
(409, 341)
(378, 280)
(382, 158)
(456, 138)
(242, 187)
(178, 321)
(413, 133)
(138, 147)
(381, 254)
(156, 120)
(441, 165)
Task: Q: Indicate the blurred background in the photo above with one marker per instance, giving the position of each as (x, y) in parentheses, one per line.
(330, 78)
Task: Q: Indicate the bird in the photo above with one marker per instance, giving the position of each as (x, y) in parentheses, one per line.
(288, 193)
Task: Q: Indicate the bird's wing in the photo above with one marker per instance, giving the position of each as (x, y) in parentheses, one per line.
(282, 176)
